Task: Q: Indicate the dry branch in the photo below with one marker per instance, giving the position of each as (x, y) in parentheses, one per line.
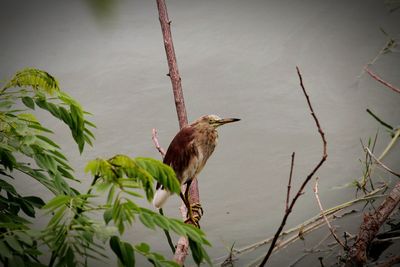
(324, 216)
(172, 64)
(157, 144)
(370, 227)
(291, 235)
(307, 179)
(183, 244)
(290, 182)
(380, 162)
(379, 79)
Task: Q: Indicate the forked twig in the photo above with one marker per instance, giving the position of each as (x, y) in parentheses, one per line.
(324, 216)
(307, 179)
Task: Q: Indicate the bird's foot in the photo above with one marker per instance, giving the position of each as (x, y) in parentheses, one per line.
(195, 211)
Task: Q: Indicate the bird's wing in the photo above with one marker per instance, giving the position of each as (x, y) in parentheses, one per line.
(181, 150)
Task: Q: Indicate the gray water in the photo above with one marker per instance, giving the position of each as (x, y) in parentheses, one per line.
(236, 59)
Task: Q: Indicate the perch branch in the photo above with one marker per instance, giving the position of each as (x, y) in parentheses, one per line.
(379, 79)
(307, 179)
(194, 197)
(324, 216)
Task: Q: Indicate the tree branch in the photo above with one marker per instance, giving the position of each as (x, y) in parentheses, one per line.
(370, 227)
(379, 79)
(290, 182)
(172, 63)
(307, 179)
(183, 244)
(324, 216)
(157, 144)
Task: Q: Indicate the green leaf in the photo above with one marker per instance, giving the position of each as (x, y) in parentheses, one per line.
(57, 202)
(24, 237)
(7, 104)
(123, 250)
(115, 246)
(110, 196)
(48, 140)
(37, 79)
(57, 217)
(163, 173)
(143, 247)
(7, 187)
(4, 250)
(28, 102)
(128, 254)
(177, 227)
(35, 201)
(107, 215)
(40, 128)
(162, 222)
(147, 220)
(14, 244)
(198, 253)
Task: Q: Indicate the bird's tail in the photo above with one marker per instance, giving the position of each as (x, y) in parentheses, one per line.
(160, 197)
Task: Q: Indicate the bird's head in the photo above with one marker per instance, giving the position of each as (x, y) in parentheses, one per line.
(213, 121)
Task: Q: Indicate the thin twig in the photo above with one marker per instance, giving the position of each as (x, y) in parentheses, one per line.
(166, 232)
(309, 176)
(162, 152)
(379, 79)
(290, 182)
(390, 127)
(307, 226)
(380, 162)
(325, 218)
(157, 144)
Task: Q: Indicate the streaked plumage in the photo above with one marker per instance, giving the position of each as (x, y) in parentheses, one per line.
(189, 151)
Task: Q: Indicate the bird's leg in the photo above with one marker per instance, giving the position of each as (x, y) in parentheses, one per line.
(190, 218)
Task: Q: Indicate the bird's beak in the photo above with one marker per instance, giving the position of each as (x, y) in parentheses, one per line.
(227, 120)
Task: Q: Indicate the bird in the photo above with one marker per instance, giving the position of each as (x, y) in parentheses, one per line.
(188, 153)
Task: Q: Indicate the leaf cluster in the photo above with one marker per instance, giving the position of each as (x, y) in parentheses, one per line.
(123, 176)
(26, 147)
(72, 235)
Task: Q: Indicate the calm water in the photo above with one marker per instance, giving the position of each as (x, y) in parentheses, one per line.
(237, 59)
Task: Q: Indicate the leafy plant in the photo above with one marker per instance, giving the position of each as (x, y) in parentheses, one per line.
(72, 235)
(23, 139)
(122, 176)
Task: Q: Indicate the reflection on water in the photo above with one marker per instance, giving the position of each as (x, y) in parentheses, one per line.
(237, 59)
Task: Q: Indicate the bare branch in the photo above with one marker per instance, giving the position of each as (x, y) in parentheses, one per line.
(290, 182)
(325, 218)
(379, 79)
(307, 179)
(157, 144)
(370, 227)
(172, 64)
(183, 243)
(380, 162)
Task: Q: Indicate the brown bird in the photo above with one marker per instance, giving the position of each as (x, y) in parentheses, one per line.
(188, 153)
